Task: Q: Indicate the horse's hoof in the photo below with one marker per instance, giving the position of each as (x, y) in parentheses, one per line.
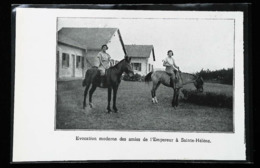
(91, 105)
(115, 109)
(155, 100)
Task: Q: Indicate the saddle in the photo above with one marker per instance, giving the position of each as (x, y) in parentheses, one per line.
(102, 79)
(175, 79)
(99, 80)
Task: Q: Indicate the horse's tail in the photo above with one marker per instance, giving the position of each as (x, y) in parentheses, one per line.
(148, 77)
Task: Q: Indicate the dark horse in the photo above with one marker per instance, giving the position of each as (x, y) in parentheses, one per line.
(112, 81)
(161, 77)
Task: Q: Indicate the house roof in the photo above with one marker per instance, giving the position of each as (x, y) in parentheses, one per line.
(140, 51)
(90, 38)
(66, 40)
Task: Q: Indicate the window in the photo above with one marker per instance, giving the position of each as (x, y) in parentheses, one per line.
(65, 60)
(57, 58)
(82, 62)
(79, 62)
(136, 66)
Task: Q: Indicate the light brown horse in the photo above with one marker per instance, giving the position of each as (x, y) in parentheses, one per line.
(161, 77)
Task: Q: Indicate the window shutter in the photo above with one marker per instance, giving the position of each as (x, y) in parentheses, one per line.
(68, 60)
(82, 62)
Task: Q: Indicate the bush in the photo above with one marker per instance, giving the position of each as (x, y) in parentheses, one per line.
(208, 98)
(135, 77)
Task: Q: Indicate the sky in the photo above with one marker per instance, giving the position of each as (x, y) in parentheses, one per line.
(197, 43)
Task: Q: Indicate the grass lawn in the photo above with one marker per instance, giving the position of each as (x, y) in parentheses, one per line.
(215, 87)
(136, 111)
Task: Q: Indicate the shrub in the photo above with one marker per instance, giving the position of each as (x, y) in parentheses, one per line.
(135, 77)
(208, 98)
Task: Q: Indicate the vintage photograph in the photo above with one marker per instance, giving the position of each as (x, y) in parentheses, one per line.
(145, 74)
(130, 85)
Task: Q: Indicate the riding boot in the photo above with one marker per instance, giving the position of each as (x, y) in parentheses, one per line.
(173, 82)
(176, 80)
(102, 81)
(175, 72)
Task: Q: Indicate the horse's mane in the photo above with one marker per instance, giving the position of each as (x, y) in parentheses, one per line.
(116, 65)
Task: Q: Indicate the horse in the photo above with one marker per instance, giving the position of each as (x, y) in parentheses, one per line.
(161, 77)
(112, 81)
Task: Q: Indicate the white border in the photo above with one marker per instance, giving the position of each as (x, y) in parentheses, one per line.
(34, 138)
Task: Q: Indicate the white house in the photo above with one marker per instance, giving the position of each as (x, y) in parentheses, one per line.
(142, 58)
(70, 57)
(78, 48)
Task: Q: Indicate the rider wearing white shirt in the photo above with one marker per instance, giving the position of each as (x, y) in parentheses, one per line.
(104, 62)
(171, 67)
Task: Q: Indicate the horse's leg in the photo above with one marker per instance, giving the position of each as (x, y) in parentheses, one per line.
(92, 90)
(156, 87)
(85, 94)
(114, 98)
(177, 97)
(174, 98)
(153, 91)
(109, 99)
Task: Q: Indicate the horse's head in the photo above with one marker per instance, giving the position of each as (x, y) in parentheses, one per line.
(199, 84)
(127, 66)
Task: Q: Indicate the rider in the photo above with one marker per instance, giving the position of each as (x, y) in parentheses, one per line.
(171, 68)
(104, 59)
